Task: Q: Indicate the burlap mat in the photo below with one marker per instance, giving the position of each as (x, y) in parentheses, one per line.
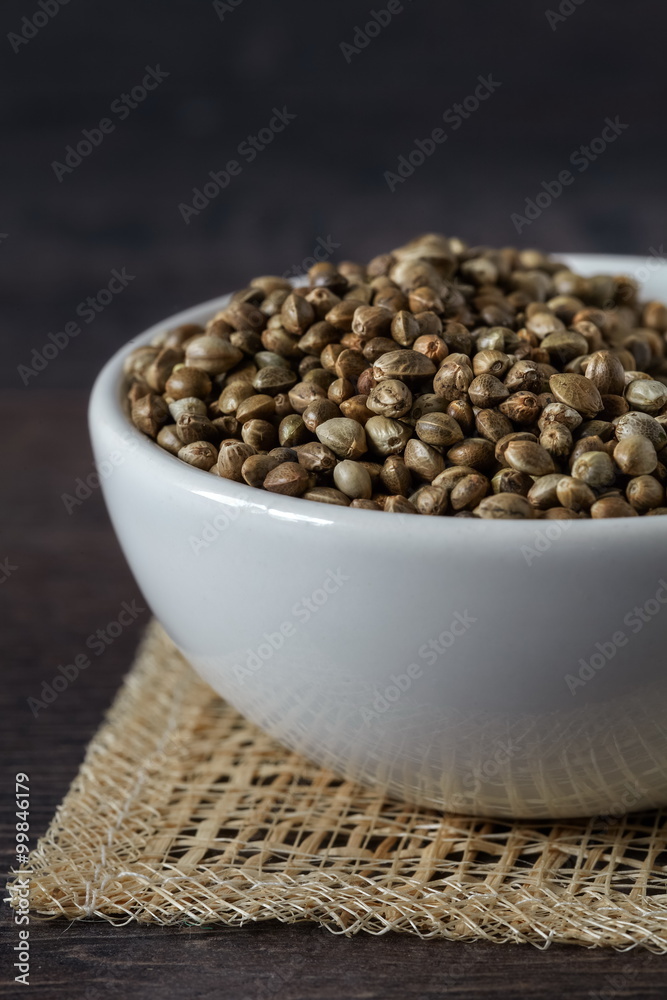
(184, 812)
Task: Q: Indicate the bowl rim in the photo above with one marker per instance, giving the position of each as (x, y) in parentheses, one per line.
(106, 406)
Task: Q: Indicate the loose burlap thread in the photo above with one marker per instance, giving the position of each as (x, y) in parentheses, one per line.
(184, 812)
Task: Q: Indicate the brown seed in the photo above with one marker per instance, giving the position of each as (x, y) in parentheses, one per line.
(403, 364)
(212, 354)
(453, 380)
(387, 436)
(487, 391)
(261, 434)
(523, 377)
(564, 346)
(245, 372)
(329, 356)
(578, 392)
(375, 348)
(574, 494)
(635, 455)
(297, 314)
(428, 402)
(179, 335)
(521, 407)
(390, 398)
(256, 468)
(458, 338)
(430, 324)
(231, 457)
(585, 445)
(451, 476)
(322, 300)
(501, 445)
(562, 514)
(425, 299)
(508, 506)
(511, 481)
(433, 347)
(315, 457)
(258, 407)
(557, 440)
(168, 439)
(290, 479)
(462, 412)
(233, 395)
(187, 381)
(606, 372)
(646, 395)
(399, 505)
(614, 406)
(242, 316)
(395, 475)
(283, 454)
(318, 411)
(139, 387)
(350, 364)
(526, 456)
(487, 362)
(492, 425)
(543, 323)
(645, 493)
(283, 405)
(655, 316)
(561, 414)
(344, 436)
(543, 492)
(612, 507)
(192, 427)
(189, 404)
(149, 413)
(278, 341)
(469, 491)
(405, 328)
(340, 389)
(317, 337)
(371, 321)
(268, 283)
(478, 453)
(423, 460)
(355, 408)
(274, 379)
(159, 370)
(342, 314)
(304, 393)
(430, 500)
(644, 424)
(438, 429)
(201, 454)
(326, 494)
(353, 480)
(227, 427)
(595, 468)
(291, 431)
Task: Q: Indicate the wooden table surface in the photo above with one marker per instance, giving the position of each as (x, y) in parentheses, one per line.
(69, 579)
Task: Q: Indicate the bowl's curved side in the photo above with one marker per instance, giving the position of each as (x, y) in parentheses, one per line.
(509, 669)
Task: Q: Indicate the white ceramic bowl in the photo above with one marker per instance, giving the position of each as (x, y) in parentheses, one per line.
(503, 668)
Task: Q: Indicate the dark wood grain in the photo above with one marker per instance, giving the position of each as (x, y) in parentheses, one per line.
(70, 579)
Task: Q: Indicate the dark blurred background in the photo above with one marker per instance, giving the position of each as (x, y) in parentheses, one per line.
(564, 67)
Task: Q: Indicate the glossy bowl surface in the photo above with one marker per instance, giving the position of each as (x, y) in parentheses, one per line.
(511, 669)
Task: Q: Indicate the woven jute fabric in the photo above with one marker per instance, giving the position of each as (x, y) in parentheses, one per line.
(183, 812)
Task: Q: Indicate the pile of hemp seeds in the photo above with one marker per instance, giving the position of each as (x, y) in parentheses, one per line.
(437, 379)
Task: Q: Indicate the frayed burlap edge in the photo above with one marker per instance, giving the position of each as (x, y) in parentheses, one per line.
(183, 812)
